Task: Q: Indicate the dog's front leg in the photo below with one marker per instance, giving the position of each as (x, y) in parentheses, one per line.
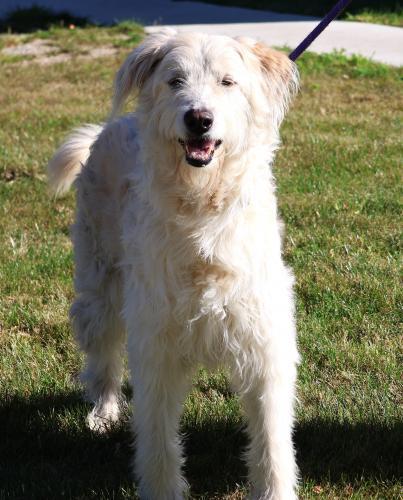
(268, 393)
(160, 384)
(270, 453)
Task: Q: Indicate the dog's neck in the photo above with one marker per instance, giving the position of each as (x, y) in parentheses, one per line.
(177, 189)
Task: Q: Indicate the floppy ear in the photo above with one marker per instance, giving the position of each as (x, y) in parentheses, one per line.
(279, 75)
(138, 66)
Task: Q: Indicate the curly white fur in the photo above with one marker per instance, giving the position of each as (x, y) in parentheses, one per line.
(187, 260)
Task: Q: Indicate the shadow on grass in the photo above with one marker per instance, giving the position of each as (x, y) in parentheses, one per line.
(45, 453)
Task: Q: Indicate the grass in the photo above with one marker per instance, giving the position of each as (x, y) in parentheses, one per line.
(391, 17)
(388, 12)
(76, 40)
(339, 193)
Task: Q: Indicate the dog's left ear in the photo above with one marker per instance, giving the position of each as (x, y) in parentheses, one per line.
(139, 66)
(279, 74)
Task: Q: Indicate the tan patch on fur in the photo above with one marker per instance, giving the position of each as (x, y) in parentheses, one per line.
(205, 274)
(184, 207)
(274, 62)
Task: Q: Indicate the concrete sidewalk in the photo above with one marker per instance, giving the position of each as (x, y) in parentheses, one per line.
(377, 42)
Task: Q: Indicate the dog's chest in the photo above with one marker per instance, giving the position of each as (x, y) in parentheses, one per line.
(203, 279)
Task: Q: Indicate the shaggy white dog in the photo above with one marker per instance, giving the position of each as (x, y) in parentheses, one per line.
(177, 242)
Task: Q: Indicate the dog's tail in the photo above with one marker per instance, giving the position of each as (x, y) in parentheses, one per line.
(68, 160)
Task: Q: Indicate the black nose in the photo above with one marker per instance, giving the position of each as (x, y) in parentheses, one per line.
(198, 121)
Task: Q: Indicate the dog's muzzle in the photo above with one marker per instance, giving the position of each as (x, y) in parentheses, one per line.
(198, 146)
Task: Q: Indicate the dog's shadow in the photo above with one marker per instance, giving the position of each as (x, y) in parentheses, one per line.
(44, 453)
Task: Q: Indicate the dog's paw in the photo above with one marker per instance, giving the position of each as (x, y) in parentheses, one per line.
(102, 418)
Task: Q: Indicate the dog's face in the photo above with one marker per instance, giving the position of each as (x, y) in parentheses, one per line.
(200, 88)
(206, 95)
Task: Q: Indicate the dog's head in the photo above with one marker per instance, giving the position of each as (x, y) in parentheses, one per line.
(209, 96)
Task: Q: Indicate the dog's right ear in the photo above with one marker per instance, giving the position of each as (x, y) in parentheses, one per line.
(138, 66)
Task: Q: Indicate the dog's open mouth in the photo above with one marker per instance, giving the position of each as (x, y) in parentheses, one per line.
(199, 152)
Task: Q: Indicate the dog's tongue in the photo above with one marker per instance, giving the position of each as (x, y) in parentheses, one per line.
(199, 149)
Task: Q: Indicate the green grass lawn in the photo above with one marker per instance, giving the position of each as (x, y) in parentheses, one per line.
(368, 11)
(339, 193)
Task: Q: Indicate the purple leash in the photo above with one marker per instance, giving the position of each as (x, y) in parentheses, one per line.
(336, 10)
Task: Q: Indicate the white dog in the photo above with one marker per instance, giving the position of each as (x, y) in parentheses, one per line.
(178, 243)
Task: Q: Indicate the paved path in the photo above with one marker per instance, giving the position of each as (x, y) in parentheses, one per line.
(381, 43)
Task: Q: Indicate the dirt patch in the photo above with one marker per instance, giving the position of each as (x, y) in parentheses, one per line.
(102, 52)
(35, 48)
(51, 59)
(43, 52)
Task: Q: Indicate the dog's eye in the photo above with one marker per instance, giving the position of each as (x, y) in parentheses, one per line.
(227, 82)
(176, 82)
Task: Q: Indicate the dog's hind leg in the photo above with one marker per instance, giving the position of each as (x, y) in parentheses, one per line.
(96, 319)
(100, 334)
